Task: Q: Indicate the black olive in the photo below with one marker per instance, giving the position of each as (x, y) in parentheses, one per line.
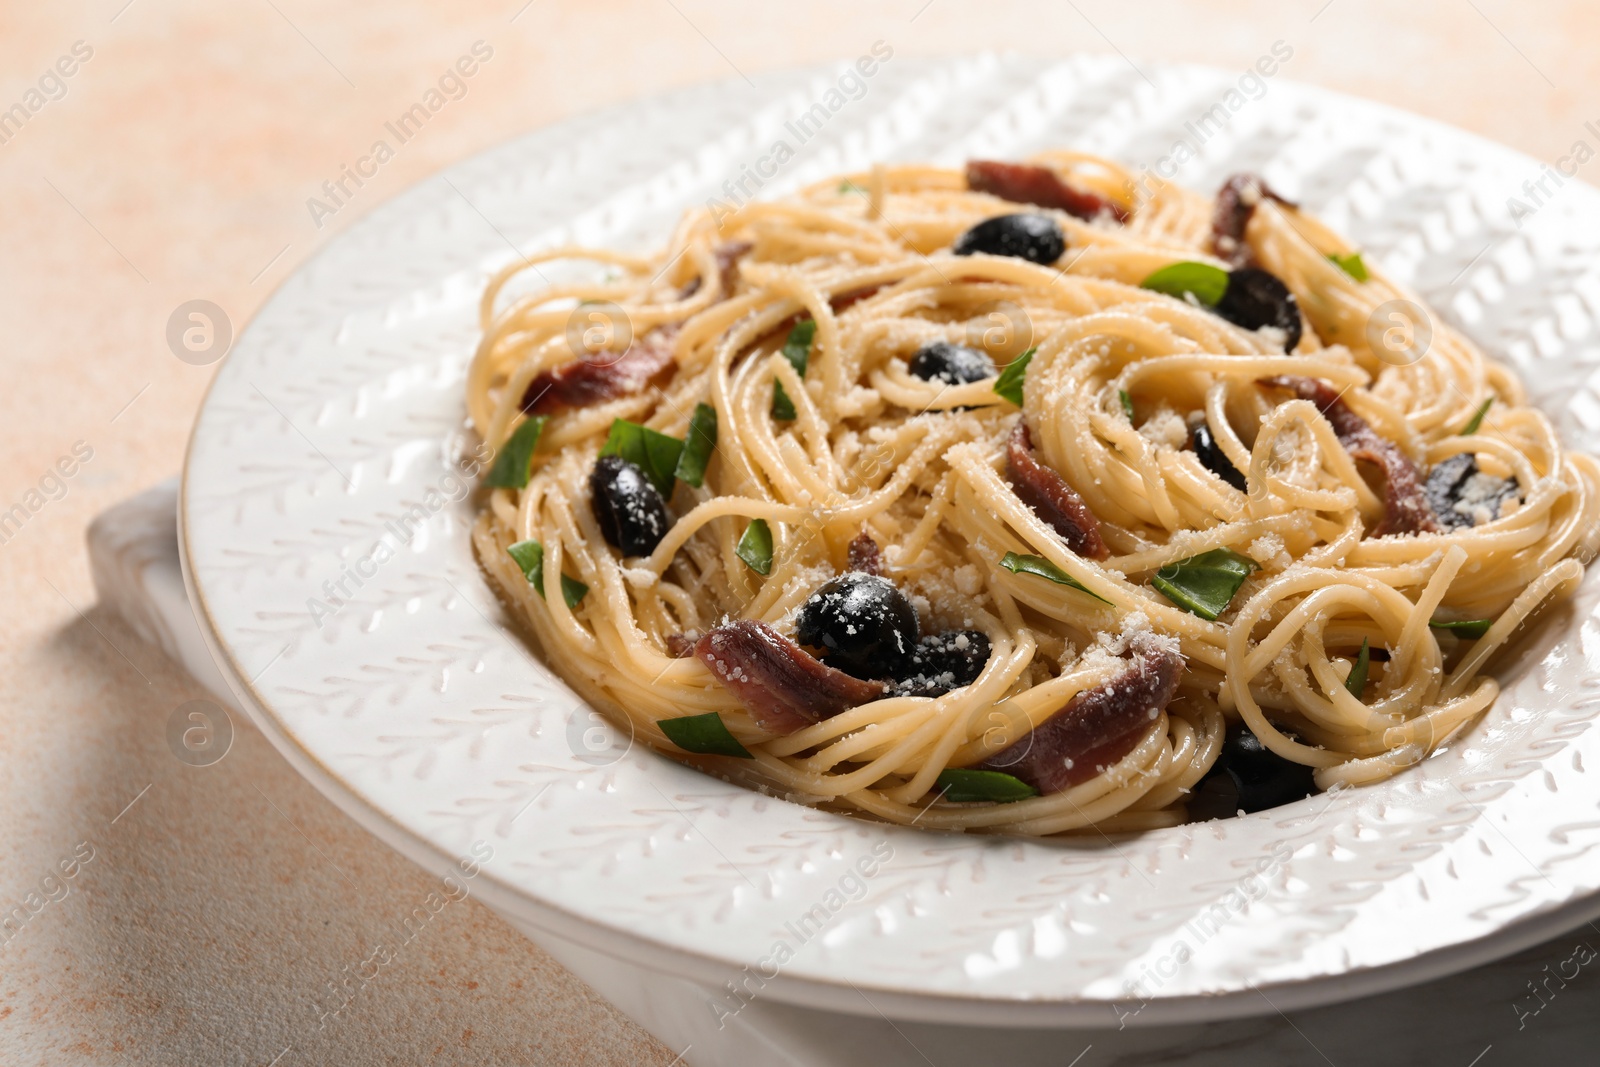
(1250, 777)
(1214, 459)
(942, 662)
(1457, 490)
(863, 624)
(1254, 299)
(630, 511)
(1026, 235)
(951, 364)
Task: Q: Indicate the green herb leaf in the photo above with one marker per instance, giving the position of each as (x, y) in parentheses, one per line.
(755, 547)
(655, 454)
(511, 466)
(697, 445)
(1127, 403)
(1043, 568)
(1206, 282)
(797, 350)
(1477, 420)
(1009, 384)
(529, 555)
(1470, 628)
(1351, 265)
(964, 786)
(1204, 584)
(1355, 683)
(850, 187)
(705, 734)
(573, 591)
(782, 406)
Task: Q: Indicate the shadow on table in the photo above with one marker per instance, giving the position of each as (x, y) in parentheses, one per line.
(224, 912)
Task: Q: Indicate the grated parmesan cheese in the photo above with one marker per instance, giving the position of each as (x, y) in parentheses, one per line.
(1165, 427)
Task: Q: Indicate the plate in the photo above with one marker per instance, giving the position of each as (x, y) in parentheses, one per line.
(392, 679)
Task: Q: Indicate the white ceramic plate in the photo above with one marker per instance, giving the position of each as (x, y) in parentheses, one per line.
(417, 706)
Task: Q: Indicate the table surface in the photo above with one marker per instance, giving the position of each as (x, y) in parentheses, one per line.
(175, 163)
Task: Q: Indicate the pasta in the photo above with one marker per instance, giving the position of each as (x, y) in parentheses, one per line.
(1031, 507)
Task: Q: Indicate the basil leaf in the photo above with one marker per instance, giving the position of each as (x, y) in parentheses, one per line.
(510, 470)
(1477, 420)
(1355, 683)
(755, 547)
(1043, 568)
(573, 591)
(1206, 282)
(1470, 628)
(1127, 403)
(797, 350)
(529, 555)
(782, 406)
(1351, 265)
(705, 734)
(697, 445)
(655, 454)
(850, 187)
(1009, 384)
(1204, 584)
(967, 786)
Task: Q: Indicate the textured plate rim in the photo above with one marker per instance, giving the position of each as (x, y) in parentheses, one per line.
(924, 1007)
(928, 1006)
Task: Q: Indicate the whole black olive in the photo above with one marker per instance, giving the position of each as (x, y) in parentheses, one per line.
(630, 511)
(1250, 777)
(941, 361)
(1460, 494)
(942, 662)
(1026, 235)
(863, 624)
(1214, 459)
(1255, 298)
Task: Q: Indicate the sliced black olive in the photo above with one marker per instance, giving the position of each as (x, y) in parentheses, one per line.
(1216, 797)
(1460, 494)
(1255, 298)
(952, 364)
(1214, 459)
(1026, 235)
(942, 662)
(862, 623)
(1249, 777)
(630, 511)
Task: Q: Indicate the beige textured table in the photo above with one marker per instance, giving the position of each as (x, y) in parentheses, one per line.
(165, 151)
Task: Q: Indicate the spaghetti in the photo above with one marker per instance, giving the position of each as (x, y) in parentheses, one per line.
(1030, 508)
